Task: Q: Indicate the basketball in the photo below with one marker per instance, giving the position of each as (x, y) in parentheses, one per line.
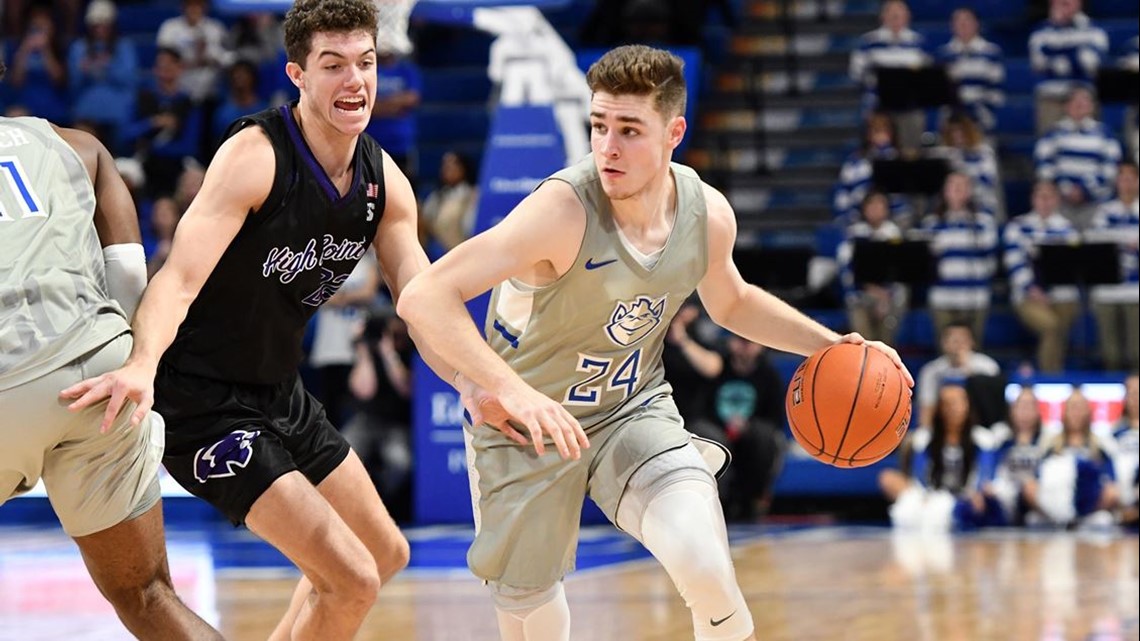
(848, 405)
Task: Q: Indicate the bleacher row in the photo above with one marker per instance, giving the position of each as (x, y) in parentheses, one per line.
(454, 114)
(456, 87)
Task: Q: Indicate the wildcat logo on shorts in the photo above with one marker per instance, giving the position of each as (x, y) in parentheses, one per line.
(224, 457)
(633, 321)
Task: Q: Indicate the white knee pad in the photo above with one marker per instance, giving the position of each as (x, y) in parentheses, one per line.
(531, 615)
(671, 506)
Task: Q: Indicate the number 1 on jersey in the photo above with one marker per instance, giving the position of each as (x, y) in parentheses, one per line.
(29, 203)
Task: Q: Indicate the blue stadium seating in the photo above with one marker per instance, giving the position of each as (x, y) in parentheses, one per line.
(1111, 8)
(462, 84)
(1017, 115)
(1006, 10)
(144, 18)
(1019, 77)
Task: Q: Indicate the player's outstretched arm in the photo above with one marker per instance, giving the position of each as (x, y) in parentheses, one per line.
(751, 312)
(237, 181)
(400, 253)
(401, 258)
(542, 234)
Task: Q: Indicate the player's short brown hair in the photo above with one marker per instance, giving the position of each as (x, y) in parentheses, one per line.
(642, 71)
(309, 17)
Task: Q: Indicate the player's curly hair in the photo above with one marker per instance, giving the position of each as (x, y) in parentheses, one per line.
(642, 71)
(309, 17)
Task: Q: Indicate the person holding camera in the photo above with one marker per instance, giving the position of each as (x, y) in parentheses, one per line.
(380, 430)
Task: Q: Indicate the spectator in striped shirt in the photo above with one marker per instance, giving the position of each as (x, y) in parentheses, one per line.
(855, 176)
(874, 310)
(976, 65)
(1046, 311)
(1065, 52)
(1117, 307)
(1080, 156)
(970, 154)
(894, 44)
(1131, 60)
(963, 241)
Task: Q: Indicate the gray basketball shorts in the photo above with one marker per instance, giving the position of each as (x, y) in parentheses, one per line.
(93, 480)
(528, 507)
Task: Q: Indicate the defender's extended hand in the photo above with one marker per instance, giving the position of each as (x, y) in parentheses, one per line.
(533, 411)
(130, 382)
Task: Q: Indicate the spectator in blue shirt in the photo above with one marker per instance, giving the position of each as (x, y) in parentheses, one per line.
(37, 69)
(241, 98)
(976, 65)
(166, 125)
(398, 89)
(102, 69)
(1065, 52)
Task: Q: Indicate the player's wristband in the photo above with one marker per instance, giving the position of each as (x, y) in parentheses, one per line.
(126, 274)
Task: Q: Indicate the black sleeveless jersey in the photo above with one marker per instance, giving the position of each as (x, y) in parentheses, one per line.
(290, 256)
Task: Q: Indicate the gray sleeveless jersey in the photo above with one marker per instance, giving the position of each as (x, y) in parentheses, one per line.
(53, 301)
(592, 340)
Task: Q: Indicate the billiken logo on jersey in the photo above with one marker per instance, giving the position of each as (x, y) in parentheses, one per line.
(288, 264)
(634, 320)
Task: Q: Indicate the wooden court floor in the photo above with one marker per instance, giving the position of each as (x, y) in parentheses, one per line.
(831, 584)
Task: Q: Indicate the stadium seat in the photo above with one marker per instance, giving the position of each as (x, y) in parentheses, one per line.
(1016, 116)
(1111, 9)
(1019, 77)
(143, 19)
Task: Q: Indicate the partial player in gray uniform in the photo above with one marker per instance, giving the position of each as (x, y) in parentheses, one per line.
(588, 271)
(72, 263)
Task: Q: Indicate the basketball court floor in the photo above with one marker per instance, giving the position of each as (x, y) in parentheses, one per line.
(803, 584)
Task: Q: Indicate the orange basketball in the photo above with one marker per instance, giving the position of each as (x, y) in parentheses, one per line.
(848, 405)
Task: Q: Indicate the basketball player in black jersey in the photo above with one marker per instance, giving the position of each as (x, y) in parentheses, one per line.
(292, 200)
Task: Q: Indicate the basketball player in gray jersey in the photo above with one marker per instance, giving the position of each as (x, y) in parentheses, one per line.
(72, 272)
(587, 273)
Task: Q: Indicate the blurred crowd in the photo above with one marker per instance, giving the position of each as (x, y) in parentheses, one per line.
(1085, 188)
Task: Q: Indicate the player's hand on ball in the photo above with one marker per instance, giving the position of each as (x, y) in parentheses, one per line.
(857, 339)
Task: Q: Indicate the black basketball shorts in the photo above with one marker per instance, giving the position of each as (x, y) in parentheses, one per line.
(227, 443)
